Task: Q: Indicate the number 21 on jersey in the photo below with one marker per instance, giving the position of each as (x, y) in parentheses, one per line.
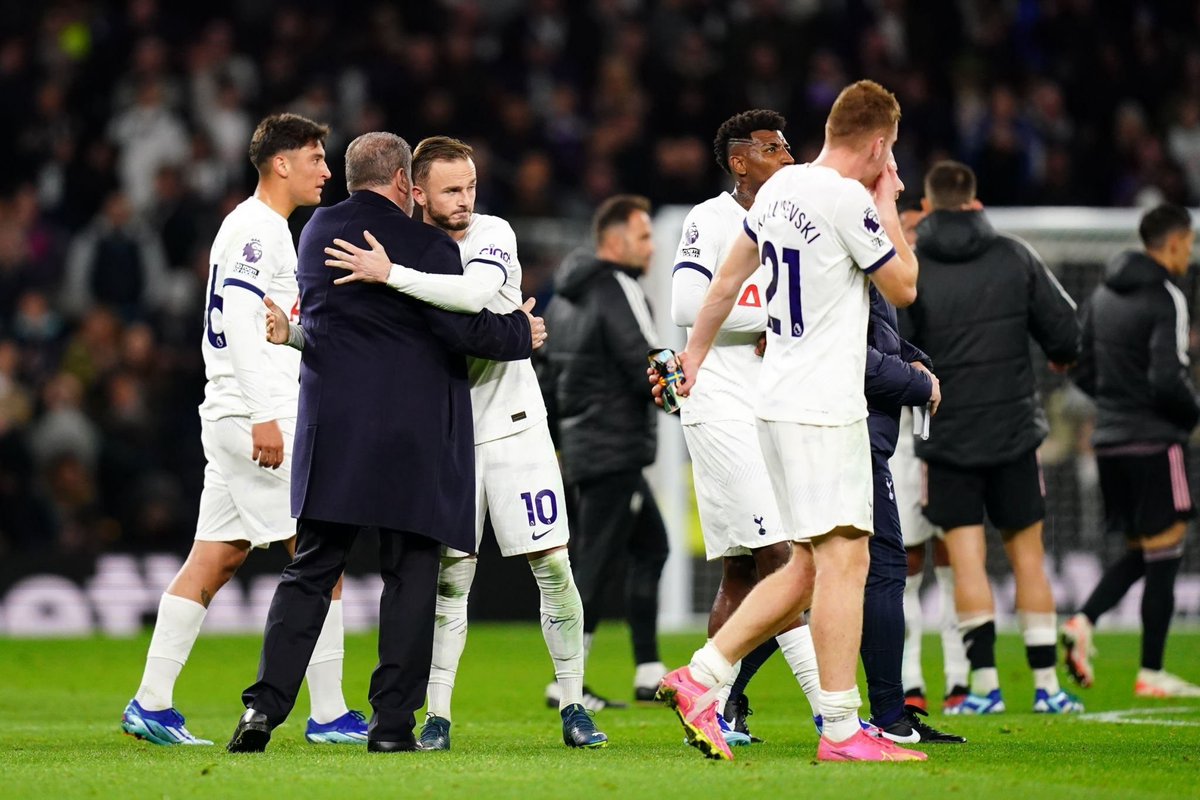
(790, 261)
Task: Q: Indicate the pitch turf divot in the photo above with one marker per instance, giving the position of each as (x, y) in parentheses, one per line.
(1135, 716)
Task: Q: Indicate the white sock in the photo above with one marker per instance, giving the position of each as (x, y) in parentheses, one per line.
(954, 655)
(649, 674)
(911, 676)
(449, 631)
(797, 648)
(709, 667)
(175, 631)
(723, 697)
(324, 673)
(839, 714)
(1041, 630)
(562, 623)
(985, 681)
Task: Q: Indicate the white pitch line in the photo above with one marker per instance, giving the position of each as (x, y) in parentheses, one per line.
(1130, 716)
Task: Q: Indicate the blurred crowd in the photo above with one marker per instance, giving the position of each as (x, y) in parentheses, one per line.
(127, 125)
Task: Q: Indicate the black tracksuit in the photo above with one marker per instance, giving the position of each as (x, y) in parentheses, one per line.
(602, 415)
(1135, 365)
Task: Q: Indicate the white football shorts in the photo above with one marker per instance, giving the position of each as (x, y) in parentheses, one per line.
(242, 501)
(518, 483)
(738, 512)
(821, 476)
(908, 477)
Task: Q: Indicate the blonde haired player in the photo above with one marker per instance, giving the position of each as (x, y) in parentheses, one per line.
(825, 230)
(248, 421)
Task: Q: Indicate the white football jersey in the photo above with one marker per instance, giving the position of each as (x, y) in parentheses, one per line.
(819, 235)
(727, 383)
(252, 253)
(505, 396)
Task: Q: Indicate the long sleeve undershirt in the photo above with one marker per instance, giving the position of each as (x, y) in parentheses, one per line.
(468, 293)
(244, 317)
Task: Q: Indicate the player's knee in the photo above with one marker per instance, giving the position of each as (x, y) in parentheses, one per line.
(739, 572)
(772, 558)
(1170, 538)
(916, 560)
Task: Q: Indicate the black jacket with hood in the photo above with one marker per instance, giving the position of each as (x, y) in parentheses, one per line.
(1134, 359)
(593, 369)
(980, 296)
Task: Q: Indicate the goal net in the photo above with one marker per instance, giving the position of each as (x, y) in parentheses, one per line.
(1076, 243)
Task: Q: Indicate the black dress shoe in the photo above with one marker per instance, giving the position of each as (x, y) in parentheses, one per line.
(252, 733)
(402, 746)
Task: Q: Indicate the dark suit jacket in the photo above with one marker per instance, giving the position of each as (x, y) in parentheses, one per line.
(384, 435)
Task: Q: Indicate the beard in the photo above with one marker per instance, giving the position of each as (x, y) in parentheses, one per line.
(445, 222)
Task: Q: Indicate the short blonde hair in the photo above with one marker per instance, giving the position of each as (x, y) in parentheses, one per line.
(437, 148)
(861, 109)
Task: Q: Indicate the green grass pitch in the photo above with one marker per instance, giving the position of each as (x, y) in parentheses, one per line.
(60, 702)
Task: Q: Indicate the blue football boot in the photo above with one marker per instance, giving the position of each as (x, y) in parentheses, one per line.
(349, 728)
(158, 727)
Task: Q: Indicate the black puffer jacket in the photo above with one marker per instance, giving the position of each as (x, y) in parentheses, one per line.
(1135, 362)
(593, 369)
(980, 296)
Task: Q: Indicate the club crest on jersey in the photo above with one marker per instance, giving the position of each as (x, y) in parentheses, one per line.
(253, 251)
(692, 234)
(871, 220)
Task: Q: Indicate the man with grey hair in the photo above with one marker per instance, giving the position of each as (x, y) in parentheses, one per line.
(389, 448)
(376, 158)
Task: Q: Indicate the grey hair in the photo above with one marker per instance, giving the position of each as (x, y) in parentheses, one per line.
(373, 158)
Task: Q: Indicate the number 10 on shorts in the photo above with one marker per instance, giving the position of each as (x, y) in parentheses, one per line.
(541, 507)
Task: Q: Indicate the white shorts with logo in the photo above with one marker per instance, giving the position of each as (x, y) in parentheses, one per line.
(518, 483)
(821, 476)
(242, 501)
(738, 512)
(908, 476)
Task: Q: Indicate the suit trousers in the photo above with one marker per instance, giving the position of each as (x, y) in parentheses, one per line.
(408, 564)
(882, 647)
(616, 520)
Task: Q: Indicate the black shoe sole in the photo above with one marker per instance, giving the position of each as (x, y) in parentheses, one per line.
(249, 740)
(589, 746)
(392, 747)
(1068, 643)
